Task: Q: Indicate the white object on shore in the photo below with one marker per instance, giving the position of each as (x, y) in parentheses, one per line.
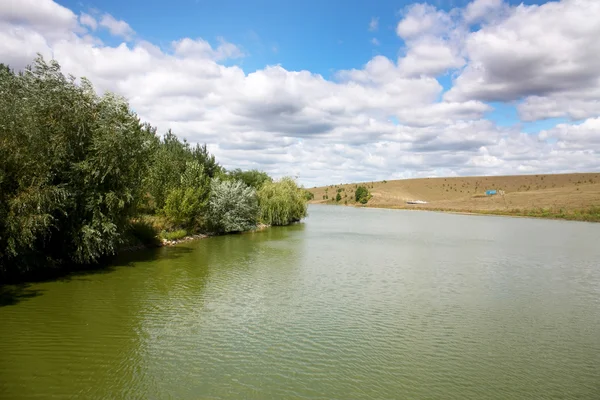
(416, 202)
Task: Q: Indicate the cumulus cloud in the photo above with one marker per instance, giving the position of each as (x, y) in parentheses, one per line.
(88, 20)
(385, 119)
(422, 19)
(117, 27)
(201, 48)
(481, 10)
(45, 15)
(430, 56)
(541, 51)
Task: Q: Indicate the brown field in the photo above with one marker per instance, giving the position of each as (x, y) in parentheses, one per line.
(568, 196)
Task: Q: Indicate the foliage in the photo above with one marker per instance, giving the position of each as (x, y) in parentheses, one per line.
(253, 178)
(308, 195)
(338, 197)
(142, 232)
(173, 235)
(281, 203)
(186, 202)
(81, 177)
(72, 165)
(362, 195)
(169, 162)
(233, 206)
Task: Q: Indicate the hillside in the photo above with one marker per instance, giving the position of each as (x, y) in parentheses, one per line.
(557, 195)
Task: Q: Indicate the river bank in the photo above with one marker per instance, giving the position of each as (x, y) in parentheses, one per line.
(573, 197)
(585, 215)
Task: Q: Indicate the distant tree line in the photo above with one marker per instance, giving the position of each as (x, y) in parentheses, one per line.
(81, 177)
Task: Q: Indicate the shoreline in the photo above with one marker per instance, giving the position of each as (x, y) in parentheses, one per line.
(198, 236)
(578, 215)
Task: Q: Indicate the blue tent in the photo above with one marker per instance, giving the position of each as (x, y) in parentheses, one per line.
(490, 192)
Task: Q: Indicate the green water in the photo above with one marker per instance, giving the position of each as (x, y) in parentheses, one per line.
(351, 304)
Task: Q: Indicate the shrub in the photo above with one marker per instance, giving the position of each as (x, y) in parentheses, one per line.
(308, 195)
(185, 204)
(281, 203)
(338, 197)
(173, 235)
(362, 195)
(233, 206)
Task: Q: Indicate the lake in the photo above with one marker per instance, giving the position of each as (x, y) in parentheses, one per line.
(351, 304)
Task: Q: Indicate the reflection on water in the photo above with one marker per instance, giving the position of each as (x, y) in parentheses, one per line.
(353, 303)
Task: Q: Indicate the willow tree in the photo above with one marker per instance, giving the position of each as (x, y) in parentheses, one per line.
(281, 203)
(187, 202)
(71, 169)
(233, 206)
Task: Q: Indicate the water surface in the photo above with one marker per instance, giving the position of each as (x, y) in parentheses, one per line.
(351, 304)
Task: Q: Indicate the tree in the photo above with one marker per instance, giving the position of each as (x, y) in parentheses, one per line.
(72, 167)
(169, 163)
(233, 206)
(338, 197)
(207, 160)
(362, 195)
(281, 203)
(253, 178)
(186, 203)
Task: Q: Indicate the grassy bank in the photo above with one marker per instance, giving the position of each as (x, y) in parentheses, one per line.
(558, 196)
(591, 214)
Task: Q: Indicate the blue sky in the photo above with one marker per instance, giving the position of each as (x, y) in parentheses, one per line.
(319, 36)
(311, 89)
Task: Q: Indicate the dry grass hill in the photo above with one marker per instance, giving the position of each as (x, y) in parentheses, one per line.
(569, 196)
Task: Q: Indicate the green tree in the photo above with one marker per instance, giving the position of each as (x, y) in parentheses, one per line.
(72, 165)
(338, 198)
(281, 203)
(362, 195)
(169, 163)
(253, 178)
(233, 206)
(186, 203)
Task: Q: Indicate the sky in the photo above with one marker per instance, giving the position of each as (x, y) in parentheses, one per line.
(340, 91)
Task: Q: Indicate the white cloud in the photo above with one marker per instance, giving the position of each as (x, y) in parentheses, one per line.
(430, 56)
(375, 42)
(479, 10)
(374, 24)
(201, 48)
(422, 19)
(576, 136)
(117, 27)
(385, 119)
(88, 20)
(45, 15)
(539, 51)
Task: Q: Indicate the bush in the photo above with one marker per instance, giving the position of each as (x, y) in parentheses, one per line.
(253, 178)
(186, 203)
(173, 235)
(308, 195)
(362, 195)
(338, 197)
(233, 206)
(281, 203)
